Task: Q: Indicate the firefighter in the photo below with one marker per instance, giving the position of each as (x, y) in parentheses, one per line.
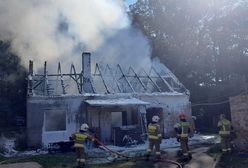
(225, 133)
(182, 129)
(79, 139)
(154, 137)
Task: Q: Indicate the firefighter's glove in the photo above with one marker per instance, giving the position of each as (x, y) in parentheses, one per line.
(178, 139)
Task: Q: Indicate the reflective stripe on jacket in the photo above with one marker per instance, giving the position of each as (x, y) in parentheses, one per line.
(225, 127)
(184, 125)
(79, 139)
(154, 131)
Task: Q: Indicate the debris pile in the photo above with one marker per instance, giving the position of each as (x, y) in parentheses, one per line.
(7, 149)
(7, 146)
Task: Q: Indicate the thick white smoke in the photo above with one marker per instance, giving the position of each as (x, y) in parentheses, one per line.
(55, 30)
(129, 47)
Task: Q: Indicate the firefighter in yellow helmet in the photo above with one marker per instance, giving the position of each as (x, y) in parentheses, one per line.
(225, 133)
(182, 129)
(79, 139)
(154, 137)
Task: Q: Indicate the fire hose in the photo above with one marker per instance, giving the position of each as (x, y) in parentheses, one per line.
(134, 158)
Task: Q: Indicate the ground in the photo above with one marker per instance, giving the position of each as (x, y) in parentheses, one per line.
(22, 165)
(202, 157)
(205, 154)
(67, 160)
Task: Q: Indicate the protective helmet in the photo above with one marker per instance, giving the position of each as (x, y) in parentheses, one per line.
(182, 116)
(84, 127)
(155, 119)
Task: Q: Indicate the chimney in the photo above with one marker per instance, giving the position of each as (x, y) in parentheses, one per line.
(30, 78)
(86, 86)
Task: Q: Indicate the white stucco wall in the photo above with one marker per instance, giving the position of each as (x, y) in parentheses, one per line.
(72, 107)
(171, 104)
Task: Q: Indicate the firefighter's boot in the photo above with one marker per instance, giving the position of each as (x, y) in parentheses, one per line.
(148, 156)
(190, 156)
(158, 157)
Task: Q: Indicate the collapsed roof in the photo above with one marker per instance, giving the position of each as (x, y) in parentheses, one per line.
(105, 80)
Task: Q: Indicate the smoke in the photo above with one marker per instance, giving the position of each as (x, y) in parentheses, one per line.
(56, 30)
(129, 47)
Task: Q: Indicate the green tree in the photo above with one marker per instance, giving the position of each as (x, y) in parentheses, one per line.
(203, 42)
(12, 86)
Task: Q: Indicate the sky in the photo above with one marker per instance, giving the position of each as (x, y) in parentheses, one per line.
(130, 2)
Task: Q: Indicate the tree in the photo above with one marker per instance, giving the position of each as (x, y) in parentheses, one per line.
(203, 42)
(12, 86)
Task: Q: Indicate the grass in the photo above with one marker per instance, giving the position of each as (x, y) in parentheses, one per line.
(56, 161)
(68, 161)
(48, 160)
(229, 160)
(2, 158)
(233, 161)
(116, 165)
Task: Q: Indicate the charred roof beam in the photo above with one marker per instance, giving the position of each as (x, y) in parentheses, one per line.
(100, 73)
(136, 76)
(61, 79)
(124, 76)
(154, 83)
(112, 75)
(76, 78)
(166, 83)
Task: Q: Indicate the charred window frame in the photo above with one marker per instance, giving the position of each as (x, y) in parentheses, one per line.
(54, 120)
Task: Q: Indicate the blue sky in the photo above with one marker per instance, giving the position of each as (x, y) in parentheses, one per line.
(129, 2)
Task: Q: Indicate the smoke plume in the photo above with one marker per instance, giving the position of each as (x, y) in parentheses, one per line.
(59, 30)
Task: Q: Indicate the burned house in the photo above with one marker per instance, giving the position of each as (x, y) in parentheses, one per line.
(116, 103)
